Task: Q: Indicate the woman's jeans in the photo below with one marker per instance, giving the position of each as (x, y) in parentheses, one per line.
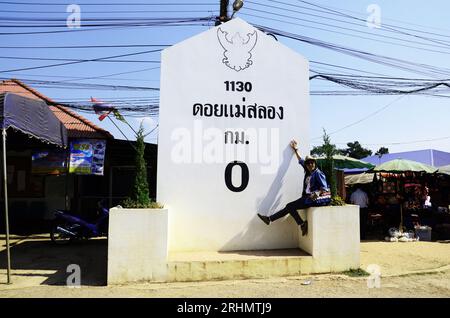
(292, 207)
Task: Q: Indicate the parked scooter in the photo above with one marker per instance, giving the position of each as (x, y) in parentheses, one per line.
(68, 227)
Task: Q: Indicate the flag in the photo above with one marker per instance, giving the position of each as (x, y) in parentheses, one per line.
(118, 116)
(102, 109)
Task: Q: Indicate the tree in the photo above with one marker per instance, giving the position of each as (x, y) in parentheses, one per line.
(322, 150)
(355, 150)
(329, 150)
(382, 151)
(140, 194)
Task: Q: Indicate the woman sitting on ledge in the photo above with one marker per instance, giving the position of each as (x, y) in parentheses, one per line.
(315, 192)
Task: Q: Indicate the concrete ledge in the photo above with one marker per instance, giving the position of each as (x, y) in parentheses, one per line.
(137, 245)
(333, 238)
(138, 250)
(206, 266)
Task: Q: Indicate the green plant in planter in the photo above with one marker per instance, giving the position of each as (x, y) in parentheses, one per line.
(328, 168)
(132, 204)
(140, 197)
(337, 201)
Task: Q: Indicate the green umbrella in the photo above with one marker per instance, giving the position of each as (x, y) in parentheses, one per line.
(444, 169)
(403, 165)
(344, 162)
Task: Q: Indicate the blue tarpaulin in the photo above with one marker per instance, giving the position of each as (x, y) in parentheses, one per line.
(430, 157)
(32, 117)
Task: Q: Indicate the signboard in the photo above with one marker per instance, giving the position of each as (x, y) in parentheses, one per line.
(87, 156)
(53, 161)
(232, 98)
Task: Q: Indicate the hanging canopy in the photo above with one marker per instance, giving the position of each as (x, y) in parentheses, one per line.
(403, 165)
(344, 162)
(361, 178)
(444, 169)
(31, 117)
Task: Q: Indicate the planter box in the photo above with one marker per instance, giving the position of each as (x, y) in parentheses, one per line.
(333, 238)
(137, 245)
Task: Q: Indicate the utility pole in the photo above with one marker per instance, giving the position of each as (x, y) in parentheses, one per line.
(223, 17)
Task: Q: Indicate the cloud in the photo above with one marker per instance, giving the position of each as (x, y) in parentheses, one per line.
(148, 122)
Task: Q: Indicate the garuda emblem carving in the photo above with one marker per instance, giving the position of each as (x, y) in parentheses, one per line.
(237, 50)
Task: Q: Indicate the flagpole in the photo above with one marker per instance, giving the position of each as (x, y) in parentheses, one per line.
(135, 132)
(151, 131)
(122, 119)
(121, 132)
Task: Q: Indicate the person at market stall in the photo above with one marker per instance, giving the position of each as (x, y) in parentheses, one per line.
(359, 197)
(426, 198)
(315, 192)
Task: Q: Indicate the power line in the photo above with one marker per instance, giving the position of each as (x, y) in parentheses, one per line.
(382, 85)
(72, 85)
(78, 62)
(345, 68)
(111, 4)
(362, 119)
(387, 27)
(185, 22)
(114, 74)
(338, 12)
(333, 27)
(86, 46)
(419, 68)
(397, 143)
(108, 12)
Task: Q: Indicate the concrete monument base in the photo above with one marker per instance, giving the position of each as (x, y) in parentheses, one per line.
(137, 245)
(138, 250)
(333, 238)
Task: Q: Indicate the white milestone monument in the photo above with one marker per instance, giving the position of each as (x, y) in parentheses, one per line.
(231, 100)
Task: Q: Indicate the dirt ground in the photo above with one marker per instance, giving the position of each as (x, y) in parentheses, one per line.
(416, 269)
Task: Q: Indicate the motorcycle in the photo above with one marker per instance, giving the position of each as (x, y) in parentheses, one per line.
(68, 227)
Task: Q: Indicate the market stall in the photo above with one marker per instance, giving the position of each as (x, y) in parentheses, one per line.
(406, 198)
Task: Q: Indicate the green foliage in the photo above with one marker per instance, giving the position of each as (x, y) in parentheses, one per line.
(382, 151)
(355, 150)
(337, 201)
(140, 195)
(133, 204)
(140, 192)
(321, 150)
(329, 150)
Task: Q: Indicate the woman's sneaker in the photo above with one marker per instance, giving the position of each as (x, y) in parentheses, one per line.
(304, 228)
(264, 218)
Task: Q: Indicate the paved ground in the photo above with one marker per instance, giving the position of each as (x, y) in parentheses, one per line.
(419, 269)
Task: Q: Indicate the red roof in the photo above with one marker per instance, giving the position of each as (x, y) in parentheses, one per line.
(77, 126)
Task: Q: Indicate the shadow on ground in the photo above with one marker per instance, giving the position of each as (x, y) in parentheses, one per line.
(270, 253)
(37, 256)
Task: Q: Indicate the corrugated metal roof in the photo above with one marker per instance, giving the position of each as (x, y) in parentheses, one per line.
(430, 157)
(77, 126)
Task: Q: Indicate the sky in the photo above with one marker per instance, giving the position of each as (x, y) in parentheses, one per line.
(412, 30)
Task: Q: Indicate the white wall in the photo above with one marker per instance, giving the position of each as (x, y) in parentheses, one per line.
(193, 156)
